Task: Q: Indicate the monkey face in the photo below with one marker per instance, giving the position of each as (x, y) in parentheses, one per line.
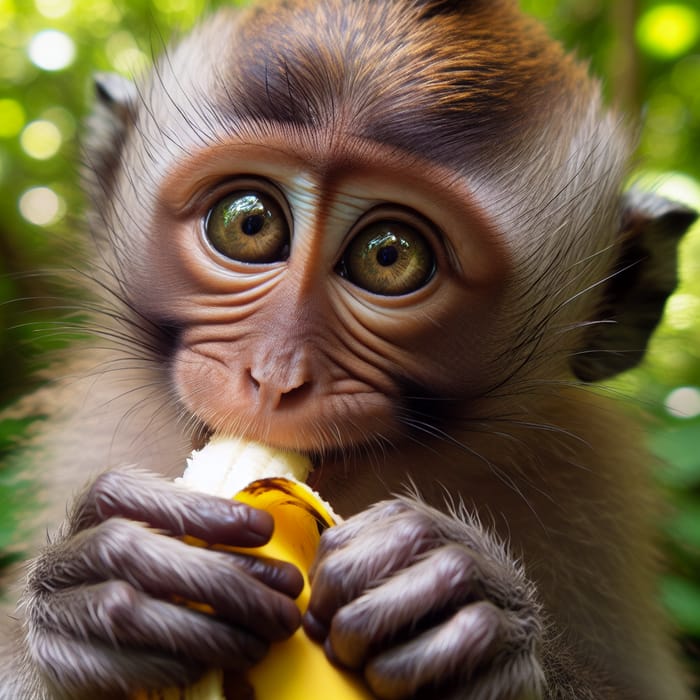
(312, 283)
(340, 223)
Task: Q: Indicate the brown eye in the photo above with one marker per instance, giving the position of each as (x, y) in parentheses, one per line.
(250, 227)
(389, 258)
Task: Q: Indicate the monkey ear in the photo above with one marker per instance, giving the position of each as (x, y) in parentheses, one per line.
(644, 275)
(112, 115)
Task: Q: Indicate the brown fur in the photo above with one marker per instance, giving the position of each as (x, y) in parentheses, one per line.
(530, 522)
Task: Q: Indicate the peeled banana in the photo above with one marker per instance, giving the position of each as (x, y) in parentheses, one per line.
(273, 480)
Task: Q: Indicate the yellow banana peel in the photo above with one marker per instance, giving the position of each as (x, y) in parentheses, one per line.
(272, 480)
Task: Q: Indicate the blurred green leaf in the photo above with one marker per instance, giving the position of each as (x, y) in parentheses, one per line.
(15, 488)
(677, 447)
(682, 598)
(684, 525)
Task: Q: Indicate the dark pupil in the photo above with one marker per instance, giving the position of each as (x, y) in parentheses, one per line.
(387, 256)
(252, 224)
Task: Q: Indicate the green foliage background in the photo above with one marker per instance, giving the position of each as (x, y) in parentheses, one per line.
(648, 55)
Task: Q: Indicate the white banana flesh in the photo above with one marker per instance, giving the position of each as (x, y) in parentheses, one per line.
(226, 466)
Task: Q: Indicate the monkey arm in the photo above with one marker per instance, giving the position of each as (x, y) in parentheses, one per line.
(570, 677)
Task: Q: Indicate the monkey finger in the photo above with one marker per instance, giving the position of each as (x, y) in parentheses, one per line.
(118, 615)
(165, 506)
(84, 670)
(437, 585)
(337, 579)
(348, 530)
(102, 549)
(243, 590)
(453, 650)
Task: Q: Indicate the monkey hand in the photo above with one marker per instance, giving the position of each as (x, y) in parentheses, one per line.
(423, 602)
(103, 617)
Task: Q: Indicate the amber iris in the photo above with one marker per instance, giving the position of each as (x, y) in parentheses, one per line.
(389, 258)
(250, 227)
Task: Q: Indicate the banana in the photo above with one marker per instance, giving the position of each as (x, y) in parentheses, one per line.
(273, 480)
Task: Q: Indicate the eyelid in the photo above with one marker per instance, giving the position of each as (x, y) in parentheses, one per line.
(208, 195)
(405, 215)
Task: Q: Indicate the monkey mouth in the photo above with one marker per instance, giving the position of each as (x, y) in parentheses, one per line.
(320, 459)
(332, 464)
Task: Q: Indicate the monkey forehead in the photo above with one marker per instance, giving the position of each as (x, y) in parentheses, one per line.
(447, 85)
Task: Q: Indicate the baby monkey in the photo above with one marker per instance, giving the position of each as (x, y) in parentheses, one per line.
(389, 234)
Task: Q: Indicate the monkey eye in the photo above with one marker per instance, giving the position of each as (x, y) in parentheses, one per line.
(388, 257)
(248, 226)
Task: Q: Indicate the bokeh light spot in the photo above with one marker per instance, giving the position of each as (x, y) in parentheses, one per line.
(11, 118)
(682, 311)
(186, 9)
(7, 12)
(673, 185)
(53, 8)
(41, 206)
(51, 50)
(684, 402)
(124, 53)
(41, 139)
(668, 31)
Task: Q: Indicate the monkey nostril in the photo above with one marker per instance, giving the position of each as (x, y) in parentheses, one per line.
(253, 380)
(295, 395)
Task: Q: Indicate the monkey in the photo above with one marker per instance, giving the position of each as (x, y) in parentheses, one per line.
(392, 235)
